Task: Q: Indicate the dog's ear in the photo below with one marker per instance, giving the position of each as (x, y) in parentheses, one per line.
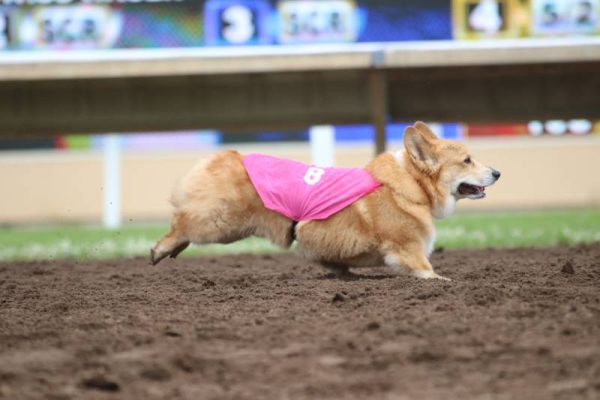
(420, 149)
(425, 130)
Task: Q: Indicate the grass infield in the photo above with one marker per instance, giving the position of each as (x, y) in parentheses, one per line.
(516, 229)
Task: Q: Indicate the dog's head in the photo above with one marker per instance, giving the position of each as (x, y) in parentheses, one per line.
(448, 163)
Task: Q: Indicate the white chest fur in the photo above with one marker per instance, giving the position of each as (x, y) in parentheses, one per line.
(445, 209)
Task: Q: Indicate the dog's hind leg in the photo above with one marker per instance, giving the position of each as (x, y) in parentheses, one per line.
(168, 246)
(171, 244)
(177, 250)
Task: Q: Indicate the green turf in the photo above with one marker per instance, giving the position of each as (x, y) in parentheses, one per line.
(519, 229)
(458, 231)
(93, 242)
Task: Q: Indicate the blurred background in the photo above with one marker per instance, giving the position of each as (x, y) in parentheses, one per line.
(105, 104)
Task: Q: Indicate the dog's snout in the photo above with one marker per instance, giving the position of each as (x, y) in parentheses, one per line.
(496, 174)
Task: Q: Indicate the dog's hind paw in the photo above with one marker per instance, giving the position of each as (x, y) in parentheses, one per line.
(155, 258)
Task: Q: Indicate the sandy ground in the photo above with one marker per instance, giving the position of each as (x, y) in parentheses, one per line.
(514, 324)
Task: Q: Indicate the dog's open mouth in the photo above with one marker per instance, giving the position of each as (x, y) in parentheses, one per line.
(467, 189)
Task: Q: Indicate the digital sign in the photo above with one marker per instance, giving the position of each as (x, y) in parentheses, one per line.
(309, 21)
(99, 24)
(69, 27)
(560, 17)
(489, 19)
(484, 19)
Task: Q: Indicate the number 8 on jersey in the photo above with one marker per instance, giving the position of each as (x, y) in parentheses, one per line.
(313, 175)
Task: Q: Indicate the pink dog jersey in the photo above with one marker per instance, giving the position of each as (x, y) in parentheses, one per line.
(302, 192)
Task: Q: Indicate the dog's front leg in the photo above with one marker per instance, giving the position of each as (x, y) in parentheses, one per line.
(412, 260)
(339, 270)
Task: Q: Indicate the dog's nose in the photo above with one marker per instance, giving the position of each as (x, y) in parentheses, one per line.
(496, 174)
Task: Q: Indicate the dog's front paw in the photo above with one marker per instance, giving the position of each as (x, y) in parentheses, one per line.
(429, 274)
(443, 278)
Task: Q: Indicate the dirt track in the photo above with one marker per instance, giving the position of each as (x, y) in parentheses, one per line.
(513, 324)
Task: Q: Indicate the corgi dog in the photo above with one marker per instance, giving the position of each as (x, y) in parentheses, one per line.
(390, 224)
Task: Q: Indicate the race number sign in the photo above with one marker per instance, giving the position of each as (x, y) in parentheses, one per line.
(236, 23)
(69, 27)
(317, 21)
(485, 19)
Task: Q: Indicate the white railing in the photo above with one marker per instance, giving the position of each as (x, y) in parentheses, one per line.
(31, 65)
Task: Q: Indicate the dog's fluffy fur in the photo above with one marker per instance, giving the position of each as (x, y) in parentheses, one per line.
(216, 203)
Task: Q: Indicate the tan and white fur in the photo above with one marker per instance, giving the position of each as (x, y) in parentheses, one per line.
(216, 203)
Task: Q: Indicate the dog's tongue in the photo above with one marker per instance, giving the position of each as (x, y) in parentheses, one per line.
(471, 189)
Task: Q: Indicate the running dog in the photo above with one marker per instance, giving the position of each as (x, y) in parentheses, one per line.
(339, 217)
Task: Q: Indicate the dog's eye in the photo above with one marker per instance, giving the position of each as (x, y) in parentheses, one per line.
(468, 160)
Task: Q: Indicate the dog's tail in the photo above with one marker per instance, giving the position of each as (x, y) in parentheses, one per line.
(178, 195)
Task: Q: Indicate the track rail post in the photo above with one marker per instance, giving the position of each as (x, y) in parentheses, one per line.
(378, 91)
(112, 181)
(322, 145)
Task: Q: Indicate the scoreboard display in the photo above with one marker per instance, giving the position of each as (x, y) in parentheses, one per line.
(102, 24)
